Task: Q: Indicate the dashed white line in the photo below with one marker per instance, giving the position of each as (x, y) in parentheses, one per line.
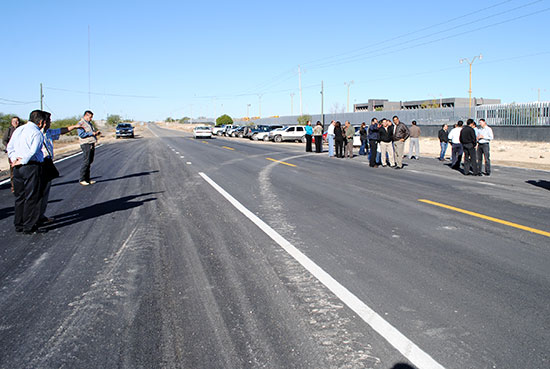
(182, 157)
(188, 162)
(404, 345)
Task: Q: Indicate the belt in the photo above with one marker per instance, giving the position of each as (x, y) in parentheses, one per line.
(30, 162)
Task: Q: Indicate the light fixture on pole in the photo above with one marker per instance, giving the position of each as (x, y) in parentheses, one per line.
(349, 85)
(470, 90)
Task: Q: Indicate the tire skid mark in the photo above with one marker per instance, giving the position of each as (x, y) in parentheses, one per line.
(345, 348)
(107, 305)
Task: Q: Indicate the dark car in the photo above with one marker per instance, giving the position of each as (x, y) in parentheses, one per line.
(124, 130)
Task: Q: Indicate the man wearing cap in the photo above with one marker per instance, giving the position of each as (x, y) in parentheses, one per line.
(25, 153)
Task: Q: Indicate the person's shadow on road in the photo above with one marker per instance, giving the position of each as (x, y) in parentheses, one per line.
(99, 210)
(133, 175)
(540, 183)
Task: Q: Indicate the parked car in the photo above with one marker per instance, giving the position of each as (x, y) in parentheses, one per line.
(238, 132)
(262, 132)
(217, 130)
(226, 127)
(290, 133)
(229, 131)
(124, 130)
(202, 132)
(273, 133)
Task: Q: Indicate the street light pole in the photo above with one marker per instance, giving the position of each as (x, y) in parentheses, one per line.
(470, 90)
(247, 111)
(322, 105)
(292, 103)
(260, 110)
(349, 85)
(300, 87)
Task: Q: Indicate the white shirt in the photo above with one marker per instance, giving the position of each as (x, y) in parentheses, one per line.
(330, 130)
(487, 134)
(454, 135)
(26, 143)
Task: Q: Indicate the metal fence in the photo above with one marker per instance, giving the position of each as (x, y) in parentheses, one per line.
(529, 114)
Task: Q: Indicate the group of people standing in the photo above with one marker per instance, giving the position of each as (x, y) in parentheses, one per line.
(470, 141)
(389, 136)
(384, 142)
(30, 150)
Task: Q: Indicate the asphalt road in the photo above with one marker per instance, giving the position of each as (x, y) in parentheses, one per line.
(152, 267)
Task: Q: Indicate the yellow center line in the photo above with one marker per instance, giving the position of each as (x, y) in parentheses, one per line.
(281, 162)
(205, 142)
(228, 148)
(492, 219)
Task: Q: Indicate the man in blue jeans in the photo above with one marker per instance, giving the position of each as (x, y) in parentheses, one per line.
(443, 141)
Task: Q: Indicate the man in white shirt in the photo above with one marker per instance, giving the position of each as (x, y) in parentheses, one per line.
(457, 150)
(484, 137)
(25, 153)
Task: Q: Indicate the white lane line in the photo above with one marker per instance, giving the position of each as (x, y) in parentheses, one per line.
(188, 162)
(404, 345)
(182, 157)
(177, 152)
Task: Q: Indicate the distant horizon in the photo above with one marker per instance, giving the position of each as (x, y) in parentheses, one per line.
(182, 59)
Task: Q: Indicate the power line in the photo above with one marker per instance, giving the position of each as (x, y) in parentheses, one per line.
(101, 93)
(16, 102)
(411, 33)
(360, 56)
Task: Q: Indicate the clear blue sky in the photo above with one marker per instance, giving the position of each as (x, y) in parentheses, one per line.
(207, 57)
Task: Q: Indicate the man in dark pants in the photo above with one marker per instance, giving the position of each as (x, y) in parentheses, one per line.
(457, 150)
(373, 137)
(468, 140)
(484, 137)
(25, 153)
(88, 138)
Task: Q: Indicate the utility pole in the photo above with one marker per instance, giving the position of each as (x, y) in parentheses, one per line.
(470, 90)
(349, 85)
(248, 111)
(538, 93)
(300, 87)
(41, 98)
(89, 73)
(292, 103)
(322, 105)
(260, 109)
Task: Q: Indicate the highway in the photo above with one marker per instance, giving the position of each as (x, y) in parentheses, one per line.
(228, 253)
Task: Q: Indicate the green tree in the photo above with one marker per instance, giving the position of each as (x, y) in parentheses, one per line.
(113, 119)
(169, 120)
(184, 120)
(303, 119)
(224, 119)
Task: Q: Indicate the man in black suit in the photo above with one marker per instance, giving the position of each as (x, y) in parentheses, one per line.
(469, 142)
